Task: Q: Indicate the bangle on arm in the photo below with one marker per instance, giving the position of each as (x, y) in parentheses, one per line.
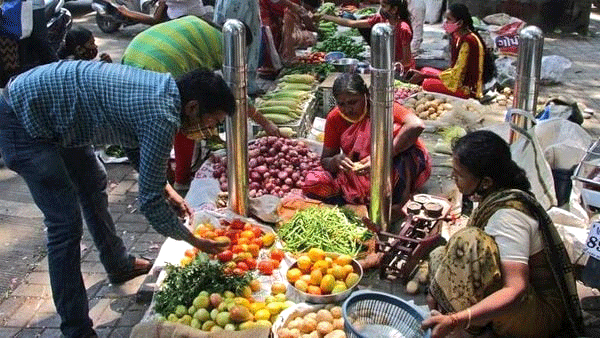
(469, 319)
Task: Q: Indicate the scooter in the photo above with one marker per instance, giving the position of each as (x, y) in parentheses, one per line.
(108, 18)
(58, 22)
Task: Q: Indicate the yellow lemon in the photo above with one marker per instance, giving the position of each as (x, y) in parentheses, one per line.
(293, 275)
(315, 277)
(327, 284)
(262, 314)
(343, 260)
(352, 279)
(316, 254)
(304, 263)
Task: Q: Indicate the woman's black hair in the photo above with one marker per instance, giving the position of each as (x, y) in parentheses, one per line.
(76, 36)
(484, 153)
(461, 13)
(403, 13)
(313, 3)
(209, 89)
(349, 83)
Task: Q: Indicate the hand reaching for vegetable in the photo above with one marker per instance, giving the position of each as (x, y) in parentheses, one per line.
(414, 76)
(272, 130)
(441, 325)
(208, 246)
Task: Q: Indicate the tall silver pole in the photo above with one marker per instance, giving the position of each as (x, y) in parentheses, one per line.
(529, 64)
(382, 99)
(235, 74)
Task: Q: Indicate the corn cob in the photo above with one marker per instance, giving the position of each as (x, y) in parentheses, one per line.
(299, 78)
(290, 103)
(280, 118)
(280, 110)
(294, 94)
(295, 86)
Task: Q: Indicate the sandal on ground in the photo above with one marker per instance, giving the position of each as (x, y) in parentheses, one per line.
(124, 276)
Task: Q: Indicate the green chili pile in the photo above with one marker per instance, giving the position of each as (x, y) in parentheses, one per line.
(330, 229)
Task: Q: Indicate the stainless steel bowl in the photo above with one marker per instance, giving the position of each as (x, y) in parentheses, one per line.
(333, 298)
(346, 65)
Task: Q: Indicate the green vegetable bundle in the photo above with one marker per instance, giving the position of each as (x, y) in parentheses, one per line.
(327, 8)
(321, 70)
(340, 43)
(183, 284)
(330, 229)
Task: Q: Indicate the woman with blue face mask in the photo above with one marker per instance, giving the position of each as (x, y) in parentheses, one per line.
(468, 67)
(396, 13)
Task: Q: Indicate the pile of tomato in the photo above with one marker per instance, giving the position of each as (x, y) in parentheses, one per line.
(245, 243)
(316, 57)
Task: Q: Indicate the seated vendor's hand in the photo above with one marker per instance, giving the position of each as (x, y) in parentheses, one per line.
(414, 76)
(441, 325)
(105, 57)
(362, 167)
(341, 162)
(316, 17)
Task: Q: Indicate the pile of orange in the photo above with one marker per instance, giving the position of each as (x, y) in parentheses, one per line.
(317, 274)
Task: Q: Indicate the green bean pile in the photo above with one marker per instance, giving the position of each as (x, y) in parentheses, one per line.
(330, 229)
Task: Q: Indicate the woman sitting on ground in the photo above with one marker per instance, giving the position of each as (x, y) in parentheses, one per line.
(470, 67)
(80, 44)
(508, 269)
(396, 13)
(346, 156)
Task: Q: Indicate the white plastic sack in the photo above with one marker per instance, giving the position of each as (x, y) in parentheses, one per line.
(553, 69)
(433, 10)
(563, 142)
(527, 153)
(506, 67)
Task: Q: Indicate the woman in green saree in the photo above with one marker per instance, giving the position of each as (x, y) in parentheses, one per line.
(508, 268)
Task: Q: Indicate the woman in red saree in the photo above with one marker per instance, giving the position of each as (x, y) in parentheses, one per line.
(465, 77)
(346, 157)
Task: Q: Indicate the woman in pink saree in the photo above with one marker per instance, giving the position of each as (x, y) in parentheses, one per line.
(346, 157)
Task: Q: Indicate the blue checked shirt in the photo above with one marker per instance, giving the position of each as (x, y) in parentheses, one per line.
(79, 103)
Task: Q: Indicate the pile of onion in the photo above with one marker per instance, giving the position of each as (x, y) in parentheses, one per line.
(275, 166)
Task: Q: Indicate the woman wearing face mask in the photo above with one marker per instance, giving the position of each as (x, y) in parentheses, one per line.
(469, 69)
(346, 155)
(396, 13)
(80, 45)
(508, 269)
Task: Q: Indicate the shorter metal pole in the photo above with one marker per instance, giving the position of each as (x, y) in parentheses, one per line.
(529, 65)
(382, 100)
(235, 74)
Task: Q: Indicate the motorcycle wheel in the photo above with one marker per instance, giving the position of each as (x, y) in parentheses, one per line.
(106, 24)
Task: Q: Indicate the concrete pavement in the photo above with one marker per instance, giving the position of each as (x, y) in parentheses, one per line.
(26, 308)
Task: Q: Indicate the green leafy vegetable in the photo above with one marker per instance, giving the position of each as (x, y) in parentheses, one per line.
(183, 284)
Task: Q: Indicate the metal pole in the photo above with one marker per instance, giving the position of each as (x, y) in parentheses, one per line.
(235, 74)
(529, 64)
(382, 99)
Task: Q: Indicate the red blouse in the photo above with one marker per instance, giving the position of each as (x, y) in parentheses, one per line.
(403, 34)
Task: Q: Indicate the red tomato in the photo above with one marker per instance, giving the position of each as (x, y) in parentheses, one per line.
(243, 266)
(237, 249)
(220, 232)
(237, 224)
(238, 272)
(225, 256)
(251, 262)
(258, 241)
(275, 263)
(191, 252)
(253, 249)
(277, 255)
(247, 226)
(249, 234)
(257, 232)
(266, 267)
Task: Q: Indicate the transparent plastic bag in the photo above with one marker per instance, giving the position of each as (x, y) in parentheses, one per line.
(553, 69)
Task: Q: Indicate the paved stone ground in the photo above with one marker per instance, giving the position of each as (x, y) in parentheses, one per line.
(26, 307)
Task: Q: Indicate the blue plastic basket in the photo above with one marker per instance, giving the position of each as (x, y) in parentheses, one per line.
(370, 314)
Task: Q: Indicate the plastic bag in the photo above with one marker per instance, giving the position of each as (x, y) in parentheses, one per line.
(553, 69)
(506, 38)
(506, 71)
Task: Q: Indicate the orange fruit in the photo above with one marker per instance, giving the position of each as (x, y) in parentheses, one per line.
(351, 279)
(315, 277)
(304, 263)
(348, 268)
(305, 278)
(338, 272)
(293, 275)
(343, 259)
(313, 290)
(321, 265)
(316, 254)
(327, 284)
(301, 285)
